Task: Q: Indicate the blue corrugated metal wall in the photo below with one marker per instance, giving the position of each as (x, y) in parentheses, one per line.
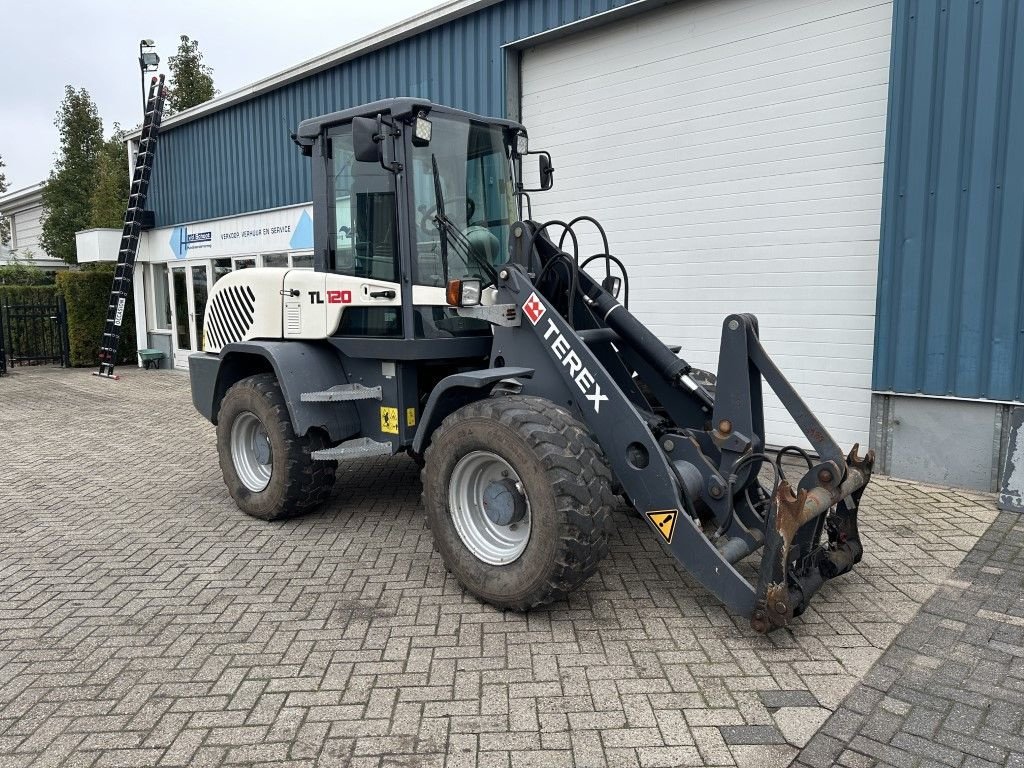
(241, 159)
(950, 317)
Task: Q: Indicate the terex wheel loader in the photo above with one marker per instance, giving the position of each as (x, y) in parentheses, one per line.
(441, 321)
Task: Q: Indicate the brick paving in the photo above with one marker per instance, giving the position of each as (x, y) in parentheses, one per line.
(950, 690)
(145, 621)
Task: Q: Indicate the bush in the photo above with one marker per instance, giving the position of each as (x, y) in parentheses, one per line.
(15, 273)
(87, 293)
(27, 294)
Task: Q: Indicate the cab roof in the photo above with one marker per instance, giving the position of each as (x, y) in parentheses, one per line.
(401, 107)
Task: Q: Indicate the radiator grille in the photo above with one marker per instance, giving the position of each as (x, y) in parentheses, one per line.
(229, 317)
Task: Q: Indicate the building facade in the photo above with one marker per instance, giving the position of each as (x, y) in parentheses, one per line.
(23, 209)
(845, 170)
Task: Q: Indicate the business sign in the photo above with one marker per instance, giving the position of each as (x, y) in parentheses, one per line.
(269, 232)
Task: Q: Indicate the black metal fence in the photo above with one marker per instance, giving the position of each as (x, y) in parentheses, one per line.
(34, 334)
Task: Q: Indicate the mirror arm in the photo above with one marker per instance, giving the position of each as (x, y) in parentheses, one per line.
(383, 131)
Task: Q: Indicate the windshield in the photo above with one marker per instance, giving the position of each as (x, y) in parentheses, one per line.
(475, 177)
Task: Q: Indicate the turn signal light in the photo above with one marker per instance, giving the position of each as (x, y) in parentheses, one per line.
(453, 292)
(463, 293)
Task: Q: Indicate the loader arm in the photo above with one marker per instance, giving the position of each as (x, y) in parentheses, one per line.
(691, 474)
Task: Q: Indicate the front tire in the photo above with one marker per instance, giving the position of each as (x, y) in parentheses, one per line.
(268, 469)
(528, 461)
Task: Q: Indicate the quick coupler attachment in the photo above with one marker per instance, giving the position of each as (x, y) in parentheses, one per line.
(795, 562)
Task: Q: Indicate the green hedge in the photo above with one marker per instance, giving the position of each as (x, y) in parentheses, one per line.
(22, 274)
(87, 293)
(27, 294)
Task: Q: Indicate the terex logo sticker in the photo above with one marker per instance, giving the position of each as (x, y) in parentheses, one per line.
(533, 309)
(567, 356)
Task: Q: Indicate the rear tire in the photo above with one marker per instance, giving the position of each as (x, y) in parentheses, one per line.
(267, 468)
(539, 446)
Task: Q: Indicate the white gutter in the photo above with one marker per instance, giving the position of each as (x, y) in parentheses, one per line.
(12, 199)
(412, 26)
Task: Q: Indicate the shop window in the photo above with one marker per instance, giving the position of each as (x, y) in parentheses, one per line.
(302, 260)
(160, 306)
(247, 262)
(221, 267)
(275, 260)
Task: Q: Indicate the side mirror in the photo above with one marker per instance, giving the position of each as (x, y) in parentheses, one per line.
(366, 144)
(547, 172)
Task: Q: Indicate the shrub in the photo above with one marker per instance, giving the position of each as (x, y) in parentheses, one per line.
(16, 273)
(87, 293)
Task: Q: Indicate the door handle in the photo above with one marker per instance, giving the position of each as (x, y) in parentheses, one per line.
(382, 294)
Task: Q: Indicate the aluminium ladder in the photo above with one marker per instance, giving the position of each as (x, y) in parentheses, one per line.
(125, 270)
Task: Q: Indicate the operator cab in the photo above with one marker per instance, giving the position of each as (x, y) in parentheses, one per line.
(385, 177)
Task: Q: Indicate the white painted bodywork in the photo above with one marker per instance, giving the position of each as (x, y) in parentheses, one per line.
(294, 303)
(734, 152)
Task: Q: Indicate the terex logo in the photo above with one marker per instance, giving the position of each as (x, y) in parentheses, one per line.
(580, 374)
(533, 309)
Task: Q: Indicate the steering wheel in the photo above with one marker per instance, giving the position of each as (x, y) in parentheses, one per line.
(426, 223)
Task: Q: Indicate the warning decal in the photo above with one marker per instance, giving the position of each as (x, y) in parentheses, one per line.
(410, 417)
(665, 521)
(389, 420)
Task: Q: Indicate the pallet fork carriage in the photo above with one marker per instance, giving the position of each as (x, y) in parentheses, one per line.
(442, 321)
(134, 216)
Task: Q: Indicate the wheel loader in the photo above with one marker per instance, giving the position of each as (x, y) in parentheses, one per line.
(442, 321)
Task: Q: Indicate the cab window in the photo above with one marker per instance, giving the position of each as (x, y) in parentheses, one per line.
(365, 227)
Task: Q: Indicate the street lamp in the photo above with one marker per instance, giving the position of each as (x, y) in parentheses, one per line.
(148, 62)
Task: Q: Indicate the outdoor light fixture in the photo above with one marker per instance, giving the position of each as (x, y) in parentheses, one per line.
(148, 62)
(522, 145)
(421, 131)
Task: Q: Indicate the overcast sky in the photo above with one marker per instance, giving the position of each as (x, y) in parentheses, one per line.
(45, 46)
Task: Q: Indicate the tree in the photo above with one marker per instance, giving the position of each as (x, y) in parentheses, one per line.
(110, 195)
(67, 204)
(191, 80)
(5, 225)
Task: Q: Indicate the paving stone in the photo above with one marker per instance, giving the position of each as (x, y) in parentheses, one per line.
(798, 724)
(751, 734)
(146, 621)
(956, 701)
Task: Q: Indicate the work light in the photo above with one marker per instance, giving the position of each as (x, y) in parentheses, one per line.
(421, 131)
(522, 145)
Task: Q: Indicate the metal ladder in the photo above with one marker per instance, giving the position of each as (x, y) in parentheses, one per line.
(125, 270)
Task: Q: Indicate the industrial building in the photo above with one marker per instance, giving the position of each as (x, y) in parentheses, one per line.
(844, 169)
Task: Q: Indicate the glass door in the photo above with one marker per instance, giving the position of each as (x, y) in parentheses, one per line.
(188, 288)
(200, 281)
(180, 322)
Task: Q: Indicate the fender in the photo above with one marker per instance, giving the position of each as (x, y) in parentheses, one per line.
(455, 391)
(299, 367)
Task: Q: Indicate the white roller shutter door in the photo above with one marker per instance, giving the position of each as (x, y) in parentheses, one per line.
(733, 149)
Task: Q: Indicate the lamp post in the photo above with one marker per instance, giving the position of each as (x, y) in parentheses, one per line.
(148, 62)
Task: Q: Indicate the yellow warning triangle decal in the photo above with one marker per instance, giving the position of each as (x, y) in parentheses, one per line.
(665, 521)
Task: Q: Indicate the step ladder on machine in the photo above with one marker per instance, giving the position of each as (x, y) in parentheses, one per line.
(121, 288)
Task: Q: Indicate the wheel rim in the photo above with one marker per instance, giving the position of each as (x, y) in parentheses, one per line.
(251, 451)
(473, 476)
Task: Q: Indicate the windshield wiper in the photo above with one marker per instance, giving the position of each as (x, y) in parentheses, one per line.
(446, 227)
